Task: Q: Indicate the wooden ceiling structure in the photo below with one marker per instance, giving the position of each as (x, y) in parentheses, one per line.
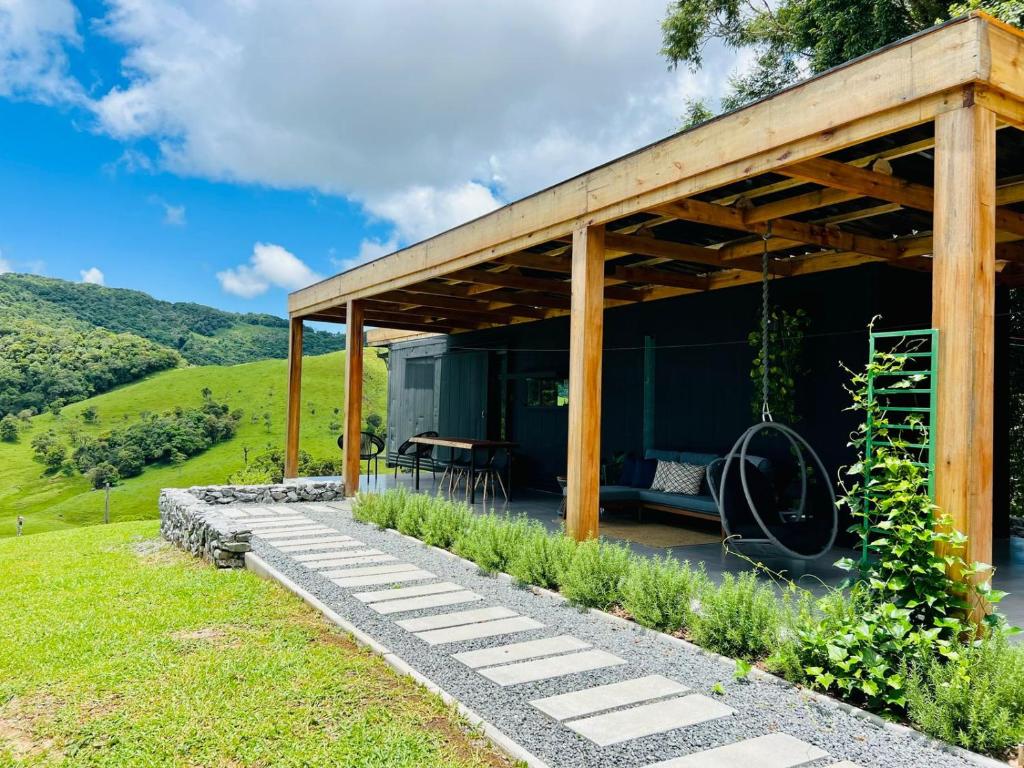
(888, 158)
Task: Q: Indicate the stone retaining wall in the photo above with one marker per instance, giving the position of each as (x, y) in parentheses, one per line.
(192, 518)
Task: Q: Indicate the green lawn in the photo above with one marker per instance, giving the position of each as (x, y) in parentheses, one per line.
(118, 650)
(58, 502)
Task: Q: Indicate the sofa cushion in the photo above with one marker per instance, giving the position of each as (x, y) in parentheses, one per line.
(628, 471)
(703, 504)
(676, 477)
(613, 493)
(703, 459)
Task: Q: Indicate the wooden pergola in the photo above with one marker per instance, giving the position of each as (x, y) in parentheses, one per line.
(890, 158)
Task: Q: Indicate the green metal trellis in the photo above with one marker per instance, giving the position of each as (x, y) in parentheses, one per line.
(914, 407)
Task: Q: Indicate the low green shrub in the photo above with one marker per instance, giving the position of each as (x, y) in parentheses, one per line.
(975, 700)
(742, 618)
(380, 509)
(491, 541)
(542, 558)
(659, 592)
(410, 517)
(444, 522)
(595, 573)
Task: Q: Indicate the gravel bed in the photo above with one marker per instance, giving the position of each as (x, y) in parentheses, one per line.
(761, 707)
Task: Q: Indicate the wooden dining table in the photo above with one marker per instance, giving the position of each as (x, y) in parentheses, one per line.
(472, 445)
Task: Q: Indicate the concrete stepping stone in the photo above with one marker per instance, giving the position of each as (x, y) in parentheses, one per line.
(603, 697)
(284, 536)
(291, 522)
(843, 764)
(316, 565)
(404, 592)
(375, 570)
(476, 631)
(552, 666)
(383, 578)
(274, 519)
(339, 555)
(548, 646)
(648, 719)
(321, 545)
(773, 750)
(306, 544)
(289, 528)
(426, 601)
(455, 619)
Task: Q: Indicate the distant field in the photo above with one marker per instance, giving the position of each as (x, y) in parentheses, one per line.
(62, 502)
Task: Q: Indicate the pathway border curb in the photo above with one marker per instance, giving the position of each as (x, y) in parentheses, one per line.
(500, 739)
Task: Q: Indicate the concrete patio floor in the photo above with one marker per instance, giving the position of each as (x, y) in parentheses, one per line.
(815, 575)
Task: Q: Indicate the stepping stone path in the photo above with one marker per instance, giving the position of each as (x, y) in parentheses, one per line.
(605, 714)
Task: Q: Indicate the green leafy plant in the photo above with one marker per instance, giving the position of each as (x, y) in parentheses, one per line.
(974, 699)
(785, 364)
(542, 558)
(594, 576)
(659, 592)
(742, 618)
(410, 518)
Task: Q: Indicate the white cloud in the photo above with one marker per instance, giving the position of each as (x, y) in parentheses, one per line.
(33, 59)
(92, 275)
(269, 265)
(5, 265)
(131, 161)
(427, 114)
(174, 215)
(369, 249)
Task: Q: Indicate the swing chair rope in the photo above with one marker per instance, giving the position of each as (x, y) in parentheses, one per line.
(766, 412)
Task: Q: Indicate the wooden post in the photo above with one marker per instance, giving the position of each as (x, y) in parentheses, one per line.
(291, 450)
(963, 310)
(586, 326)
(353, 395)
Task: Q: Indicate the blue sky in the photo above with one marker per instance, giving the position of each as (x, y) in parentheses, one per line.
(228, 152)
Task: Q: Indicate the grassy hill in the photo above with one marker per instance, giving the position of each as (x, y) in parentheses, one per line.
(203, 335)
(257, 388)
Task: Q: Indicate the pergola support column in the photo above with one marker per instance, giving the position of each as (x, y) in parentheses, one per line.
(294, 416)
(963, 310)
(353, 395)
(585, 352)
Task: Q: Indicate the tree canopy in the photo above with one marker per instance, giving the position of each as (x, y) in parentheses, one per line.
(792, 39)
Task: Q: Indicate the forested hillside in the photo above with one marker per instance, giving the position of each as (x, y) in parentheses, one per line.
(203, 335)
(50, 489)
(62, 342)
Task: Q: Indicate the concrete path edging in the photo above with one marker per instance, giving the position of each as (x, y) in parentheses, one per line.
(500, 739)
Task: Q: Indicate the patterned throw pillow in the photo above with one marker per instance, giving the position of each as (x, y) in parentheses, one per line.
(673, 477)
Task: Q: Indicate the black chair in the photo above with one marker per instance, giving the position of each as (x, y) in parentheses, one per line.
(418, 451)
(492, 474)
(370, 448)
(455, 469)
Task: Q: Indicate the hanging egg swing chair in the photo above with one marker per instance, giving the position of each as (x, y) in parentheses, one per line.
(785, 502)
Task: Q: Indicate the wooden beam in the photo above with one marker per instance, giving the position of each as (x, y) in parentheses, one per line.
(388, 310)
(884, 187)
(586, 330)
(491, 308)
(542, 261)
(811, 234)
(294, 414)
(653, 276)
(353, 396)
(963, 311)
(491, 277)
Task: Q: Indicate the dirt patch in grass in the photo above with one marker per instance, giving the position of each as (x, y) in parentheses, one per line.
(19, 722)
(216, 637)
(158, 552)
(467, 744)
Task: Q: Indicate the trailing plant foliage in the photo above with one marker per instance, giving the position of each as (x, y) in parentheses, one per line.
(908, 603)
(785, 364)
(444, 522)
(491, 541)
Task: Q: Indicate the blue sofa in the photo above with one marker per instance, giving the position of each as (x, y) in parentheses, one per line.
(634, 487)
